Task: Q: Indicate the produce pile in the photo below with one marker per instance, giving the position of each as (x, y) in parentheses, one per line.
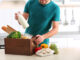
(17, 35)
(14, 33)
(43, 50)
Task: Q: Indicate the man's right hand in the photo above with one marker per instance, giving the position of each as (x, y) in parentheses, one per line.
(25, 15)
(16, 17)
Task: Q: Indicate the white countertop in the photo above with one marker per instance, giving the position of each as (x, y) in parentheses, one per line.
(64, 54)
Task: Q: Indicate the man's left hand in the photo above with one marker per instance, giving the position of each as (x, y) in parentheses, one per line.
(39, 39)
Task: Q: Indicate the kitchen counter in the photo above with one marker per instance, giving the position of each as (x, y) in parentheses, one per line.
(64, 54)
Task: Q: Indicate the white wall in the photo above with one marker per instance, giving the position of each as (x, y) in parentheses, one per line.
(7, 18)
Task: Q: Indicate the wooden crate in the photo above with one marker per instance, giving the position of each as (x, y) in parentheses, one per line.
(19, 46)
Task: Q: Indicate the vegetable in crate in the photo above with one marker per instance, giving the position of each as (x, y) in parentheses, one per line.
(54, 47)
(24, 37)
(16, 34)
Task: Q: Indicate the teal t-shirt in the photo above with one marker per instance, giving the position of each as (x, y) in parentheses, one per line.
(41, 17)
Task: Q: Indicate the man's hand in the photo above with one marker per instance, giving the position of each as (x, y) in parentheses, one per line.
(16, 16)
(25, 15)
(39, 39)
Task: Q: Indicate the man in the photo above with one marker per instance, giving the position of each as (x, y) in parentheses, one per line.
(41, 15)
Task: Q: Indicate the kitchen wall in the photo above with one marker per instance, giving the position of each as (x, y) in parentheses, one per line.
(7, 12)
(7, 17)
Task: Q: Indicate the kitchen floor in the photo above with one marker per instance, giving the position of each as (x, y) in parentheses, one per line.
(64, 54)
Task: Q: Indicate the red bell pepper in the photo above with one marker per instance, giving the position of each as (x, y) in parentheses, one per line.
(38, 48)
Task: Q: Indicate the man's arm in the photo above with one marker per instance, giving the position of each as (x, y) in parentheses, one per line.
(53, 31)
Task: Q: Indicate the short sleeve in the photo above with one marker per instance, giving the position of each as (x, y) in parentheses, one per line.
(57, 14)
(26, 8)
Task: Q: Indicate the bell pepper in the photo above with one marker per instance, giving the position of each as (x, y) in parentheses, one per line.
(38, 48)
(44, 46)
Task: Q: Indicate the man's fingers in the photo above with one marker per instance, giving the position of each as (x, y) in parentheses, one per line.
(37, 41)
(37, 38)
(16, 16)
(37, 35)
